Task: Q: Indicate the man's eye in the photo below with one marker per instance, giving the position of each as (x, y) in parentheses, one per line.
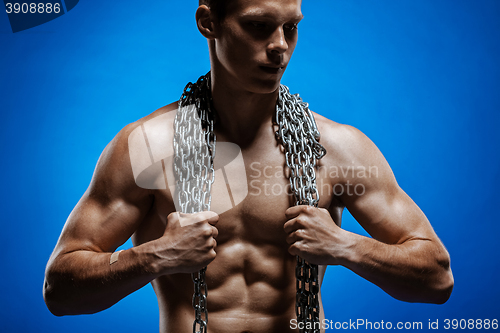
(290, 27)
(258, 25)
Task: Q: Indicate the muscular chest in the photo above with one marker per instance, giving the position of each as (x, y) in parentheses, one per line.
(266, 195)
(251, 193)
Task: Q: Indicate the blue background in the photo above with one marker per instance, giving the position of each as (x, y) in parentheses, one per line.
(420, 78)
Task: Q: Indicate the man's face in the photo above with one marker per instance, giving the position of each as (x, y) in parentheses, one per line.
(255, 42)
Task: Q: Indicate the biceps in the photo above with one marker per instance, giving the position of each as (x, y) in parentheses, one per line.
(100, 227)
(390, 216)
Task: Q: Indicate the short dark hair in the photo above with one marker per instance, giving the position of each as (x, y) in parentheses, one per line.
(219, 7)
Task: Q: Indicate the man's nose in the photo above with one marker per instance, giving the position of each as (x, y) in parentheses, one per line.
(278, 44)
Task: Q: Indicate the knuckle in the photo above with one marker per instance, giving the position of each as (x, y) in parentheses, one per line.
(212, 254)
(298, 247)
(209, 245)
(174, 216)
(306, 208)
(286, 226)
(301, 221)
(207, 231)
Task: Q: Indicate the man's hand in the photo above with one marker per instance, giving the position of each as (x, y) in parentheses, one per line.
(188, 243)
(314, 236)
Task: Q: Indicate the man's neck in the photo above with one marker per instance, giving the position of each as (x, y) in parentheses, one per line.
(241, 115)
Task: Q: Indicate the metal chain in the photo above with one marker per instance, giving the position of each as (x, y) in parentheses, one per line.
(299, 136)
(194, 152)
(194, 146)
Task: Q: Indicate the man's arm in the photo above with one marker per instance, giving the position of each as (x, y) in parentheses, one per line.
(405, 257)
(79, 277)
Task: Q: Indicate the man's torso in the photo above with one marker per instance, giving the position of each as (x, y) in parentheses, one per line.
(251, 283)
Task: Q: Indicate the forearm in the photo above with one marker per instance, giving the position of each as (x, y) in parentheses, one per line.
(84, 281)
(414, 271)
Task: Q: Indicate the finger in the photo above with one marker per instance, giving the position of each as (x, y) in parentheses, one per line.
(215, 232)
(208, 230)
(295, 211)
(324, 210)
(293, 237)
(211, 217)
(210, 256)
(291, 225)
(293, 249)
(187, 219)
(173, 219)
(292, 212)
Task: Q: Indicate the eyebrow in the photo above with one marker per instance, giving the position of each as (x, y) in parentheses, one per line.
(264, 13)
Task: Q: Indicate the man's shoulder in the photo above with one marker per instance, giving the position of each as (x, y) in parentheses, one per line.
(152, 122)
(345, 143)
(137, 145)
(154, 117)
(337, 134)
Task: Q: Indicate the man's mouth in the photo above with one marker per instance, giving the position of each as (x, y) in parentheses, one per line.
(272, 69)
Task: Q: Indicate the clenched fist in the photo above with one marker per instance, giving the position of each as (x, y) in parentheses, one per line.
(188, 243)
(313, 235)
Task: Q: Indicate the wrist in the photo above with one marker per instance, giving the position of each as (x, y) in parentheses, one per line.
(148, 259)
(348, 254)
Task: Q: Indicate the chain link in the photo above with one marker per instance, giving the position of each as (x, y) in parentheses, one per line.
(194, 152)
(299, 136)
(194, 147)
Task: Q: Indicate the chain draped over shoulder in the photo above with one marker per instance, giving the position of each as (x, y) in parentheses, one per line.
(194, 153)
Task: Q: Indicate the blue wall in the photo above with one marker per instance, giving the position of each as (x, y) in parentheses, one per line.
(420, 78)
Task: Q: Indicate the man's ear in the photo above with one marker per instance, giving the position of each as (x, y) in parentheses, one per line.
(204, 21)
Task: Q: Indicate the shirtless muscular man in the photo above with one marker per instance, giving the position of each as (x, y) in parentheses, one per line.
(252, 247)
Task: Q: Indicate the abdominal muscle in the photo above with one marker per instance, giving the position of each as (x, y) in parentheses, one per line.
(250, 289)
(251, 283)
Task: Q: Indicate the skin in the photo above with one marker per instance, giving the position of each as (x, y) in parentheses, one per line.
(251, 248)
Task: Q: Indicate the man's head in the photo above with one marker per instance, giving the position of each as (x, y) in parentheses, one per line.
(218, 7)
(250, 41)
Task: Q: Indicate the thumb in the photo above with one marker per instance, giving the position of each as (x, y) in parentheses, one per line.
(209, 216)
